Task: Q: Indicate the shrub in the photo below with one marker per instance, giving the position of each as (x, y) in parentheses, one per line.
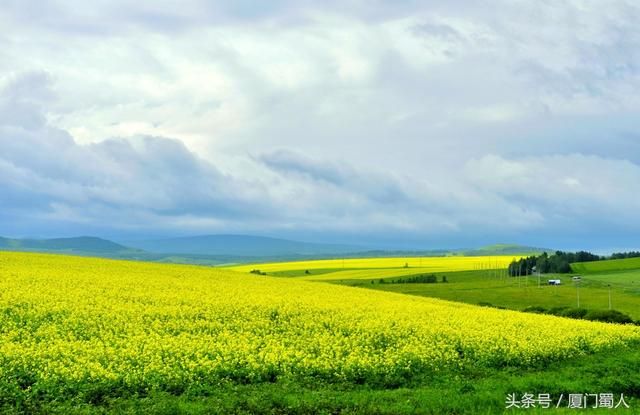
(418, 279)
(608, 316)
(535, 309)
(575, 312)
(557, 311)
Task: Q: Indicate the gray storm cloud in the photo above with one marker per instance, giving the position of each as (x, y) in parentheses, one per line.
(442, 123)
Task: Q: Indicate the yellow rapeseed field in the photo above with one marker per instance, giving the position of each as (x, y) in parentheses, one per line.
(70, 321)
(426, 264)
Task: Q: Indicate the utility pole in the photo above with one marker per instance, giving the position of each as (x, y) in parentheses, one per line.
(578, 292)
(609, 285)
(519, 272)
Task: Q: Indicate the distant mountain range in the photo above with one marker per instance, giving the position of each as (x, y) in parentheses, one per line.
(239, 245)
(506, 249)
(217, 249)
(81, 244)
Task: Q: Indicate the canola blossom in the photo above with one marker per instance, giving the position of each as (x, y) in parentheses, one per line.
(419, 264)
(68, 321)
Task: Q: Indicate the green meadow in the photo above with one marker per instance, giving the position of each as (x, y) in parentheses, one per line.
(600, 282)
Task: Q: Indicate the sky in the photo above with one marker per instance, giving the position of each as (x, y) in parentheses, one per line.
(391, 123)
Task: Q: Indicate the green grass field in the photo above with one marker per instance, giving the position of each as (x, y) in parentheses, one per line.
(607, 266)
(364, 274)
(519, 293)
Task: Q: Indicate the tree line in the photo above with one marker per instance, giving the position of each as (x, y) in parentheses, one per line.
(624, 255)
(559, 262)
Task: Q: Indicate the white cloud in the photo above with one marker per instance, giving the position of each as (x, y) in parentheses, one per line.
(389, 117)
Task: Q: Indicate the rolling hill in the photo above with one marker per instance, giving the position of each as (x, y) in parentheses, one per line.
(220, 249)
(606, 266)
(506, 249)
(81, 244)
(238, 245)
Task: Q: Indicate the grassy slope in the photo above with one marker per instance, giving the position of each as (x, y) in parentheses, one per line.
(606, 266)
(81, 244)
(474, 287)
(365, 274)
(628, 280)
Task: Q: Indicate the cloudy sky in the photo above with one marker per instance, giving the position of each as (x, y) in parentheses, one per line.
(405, 123)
